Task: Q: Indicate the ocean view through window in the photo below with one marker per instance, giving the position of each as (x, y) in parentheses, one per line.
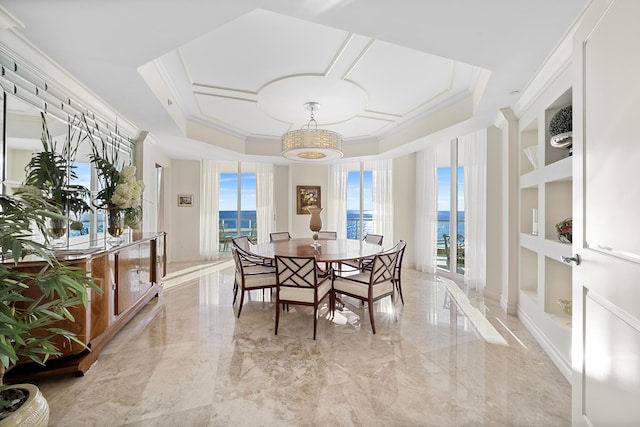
(359, 204)
(237, 207)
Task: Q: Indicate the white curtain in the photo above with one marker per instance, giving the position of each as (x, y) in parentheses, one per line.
(473, 151)
(209, 194)
(426, 210)
(382, 187)
(336, 205)
(264, 201)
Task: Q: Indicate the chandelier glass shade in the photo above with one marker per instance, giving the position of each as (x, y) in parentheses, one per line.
(312, 144)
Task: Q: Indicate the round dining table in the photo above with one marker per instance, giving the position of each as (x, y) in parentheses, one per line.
(328, 251)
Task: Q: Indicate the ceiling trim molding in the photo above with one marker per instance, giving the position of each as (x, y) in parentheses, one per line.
(558, 60)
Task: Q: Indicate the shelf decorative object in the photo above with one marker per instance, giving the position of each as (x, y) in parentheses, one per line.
(564, 229)
(561, 129)
(532, 155)
(566, 305)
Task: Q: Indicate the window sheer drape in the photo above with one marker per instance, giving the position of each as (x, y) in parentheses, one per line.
(426, 210)
(264, 201)
(473, 149)
(209, 194)
(382, 188)
(336, 206)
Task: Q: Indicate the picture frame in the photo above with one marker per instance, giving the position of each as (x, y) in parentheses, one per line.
(185, 200)
(307, 195)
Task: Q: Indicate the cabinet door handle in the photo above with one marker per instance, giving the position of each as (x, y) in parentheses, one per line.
(569, 260)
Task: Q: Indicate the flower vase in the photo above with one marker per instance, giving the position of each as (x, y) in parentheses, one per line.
(315, 223)
(57, 228)
(115, 226)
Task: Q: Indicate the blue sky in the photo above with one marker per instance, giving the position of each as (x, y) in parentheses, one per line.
(229, 192)
(444, 189)
(353, 191)
(83, 170)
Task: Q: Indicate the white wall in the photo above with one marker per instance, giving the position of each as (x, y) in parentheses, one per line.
(281, 198)
(307, 174)
(404, 196)
(494, 251)
(184, 230)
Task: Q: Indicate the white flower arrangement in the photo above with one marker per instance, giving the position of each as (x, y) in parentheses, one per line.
(128, 191)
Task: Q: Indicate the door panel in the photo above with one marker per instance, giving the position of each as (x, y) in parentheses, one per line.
(611, 363)
(606, 284)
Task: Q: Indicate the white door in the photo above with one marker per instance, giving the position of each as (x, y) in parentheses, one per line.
(606, 284)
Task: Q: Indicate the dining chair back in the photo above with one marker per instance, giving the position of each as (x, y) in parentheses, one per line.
(249, 275)
(397, 276)
(328, 235)
(241, 242)
(376, 239)
(280, 235)
(370, 286)
(297, 283)
(361, 264)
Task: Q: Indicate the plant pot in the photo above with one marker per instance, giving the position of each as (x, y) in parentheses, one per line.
(34, 412)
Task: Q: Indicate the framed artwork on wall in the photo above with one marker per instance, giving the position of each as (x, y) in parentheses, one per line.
(307, 195)
(185, 200)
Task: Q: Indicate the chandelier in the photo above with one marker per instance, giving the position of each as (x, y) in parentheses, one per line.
(312, 143)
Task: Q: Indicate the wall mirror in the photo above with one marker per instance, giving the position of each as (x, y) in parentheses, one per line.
(23, 134)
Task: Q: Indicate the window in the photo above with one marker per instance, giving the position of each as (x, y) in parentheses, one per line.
(359, 204)
(237, 206)
(451, 218)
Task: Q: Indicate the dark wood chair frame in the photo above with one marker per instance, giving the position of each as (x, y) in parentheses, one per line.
(247, 270)
(382, 270)
(300, 272)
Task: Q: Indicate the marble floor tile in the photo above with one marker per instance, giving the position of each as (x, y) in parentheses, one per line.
(187, 360)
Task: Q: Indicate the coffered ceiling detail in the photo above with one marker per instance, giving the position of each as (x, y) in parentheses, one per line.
(252, 76)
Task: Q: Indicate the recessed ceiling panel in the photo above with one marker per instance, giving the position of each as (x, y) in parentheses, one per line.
(241, 116)
(399, 79)
(360, 127)
(258, 48)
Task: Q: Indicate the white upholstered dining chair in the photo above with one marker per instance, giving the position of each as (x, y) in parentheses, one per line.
(371, 285)
(298, 283)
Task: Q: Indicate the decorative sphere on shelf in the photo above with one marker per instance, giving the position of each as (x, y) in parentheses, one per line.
(561, 129)
(561, 122)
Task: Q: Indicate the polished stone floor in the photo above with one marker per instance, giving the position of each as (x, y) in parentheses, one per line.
(186, 360)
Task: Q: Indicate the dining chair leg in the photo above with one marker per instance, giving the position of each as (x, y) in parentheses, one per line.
(315, 321)
(399, 288)
(373, 325)
(277, 315)
(235, 292)
(241, 301)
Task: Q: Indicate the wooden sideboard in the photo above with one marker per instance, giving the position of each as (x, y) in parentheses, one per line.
(129, 276)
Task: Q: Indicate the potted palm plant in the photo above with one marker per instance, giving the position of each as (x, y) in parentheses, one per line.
(32, 304)
(51, 171)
